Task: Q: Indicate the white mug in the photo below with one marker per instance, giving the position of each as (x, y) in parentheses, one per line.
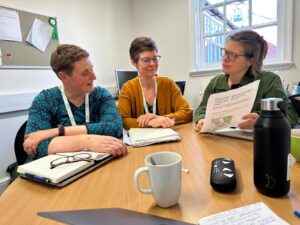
(164, 174)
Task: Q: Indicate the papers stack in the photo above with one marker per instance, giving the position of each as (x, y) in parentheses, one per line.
(40, 169)
(146, 136)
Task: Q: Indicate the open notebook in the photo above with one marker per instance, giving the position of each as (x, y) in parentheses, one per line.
(40, 170)
(146, 136)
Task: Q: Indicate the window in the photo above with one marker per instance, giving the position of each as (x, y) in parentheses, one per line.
(215, 19)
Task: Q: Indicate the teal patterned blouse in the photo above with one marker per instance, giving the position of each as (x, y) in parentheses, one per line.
(48, 111)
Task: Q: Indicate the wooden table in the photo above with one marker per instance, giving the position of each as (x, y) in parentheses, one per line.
(112, 185)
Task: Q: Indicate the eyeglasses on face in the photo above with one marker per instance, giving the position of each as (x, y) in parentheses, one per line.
(70, 159)
(147, 60)
(231, 55)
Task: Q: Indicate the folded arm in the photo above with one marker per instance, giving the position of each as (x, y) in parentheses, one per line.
(43, 121)
(95, 143)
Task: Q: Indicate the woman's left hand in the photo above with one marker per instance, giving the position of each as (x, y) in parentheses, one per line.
(250, 119)
(32, 140)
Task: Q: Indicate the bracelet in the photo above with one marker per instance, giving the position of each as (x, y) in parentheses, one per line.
(61, 130)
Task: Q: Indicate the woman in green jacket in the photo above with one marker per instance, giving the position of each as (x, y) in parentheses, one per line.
(242, 61)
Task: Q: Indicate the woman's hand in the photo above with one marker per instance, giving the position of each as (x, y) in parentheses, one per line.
(162, 121)
(108, 144)
(32, 140)
(143, 120)
(199, 125)
(250, 119)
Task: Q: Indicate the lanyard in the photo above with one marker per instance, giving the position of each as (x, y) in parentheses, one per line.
(154, 101)
(70, 114)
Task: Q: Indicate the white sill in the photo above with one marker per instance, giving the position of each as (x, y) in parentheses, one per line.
(216, 71)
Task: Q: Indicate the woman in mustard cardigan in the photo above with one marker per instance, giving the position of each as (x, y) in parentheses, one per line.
(150, 100)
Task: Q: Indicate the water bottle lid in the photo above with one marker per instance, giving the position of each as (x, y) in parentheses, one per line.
(270, 104)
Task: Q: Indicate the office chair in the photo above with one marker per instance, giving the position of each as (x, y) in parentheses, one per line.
(21, 155)
(181, 85)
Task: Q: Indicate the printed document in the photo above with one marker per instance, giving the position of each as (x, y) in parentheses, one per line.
(10, 29)
(39, 35)
(255, 214)
(226, 109)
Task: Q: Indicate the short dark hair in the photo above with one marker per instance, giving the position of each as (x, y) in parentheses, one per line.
(255, 47)
(139, 45)
(65, 55)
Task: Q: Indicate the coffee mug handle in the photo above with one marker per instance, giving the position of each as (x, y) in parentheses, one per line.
(137, 173)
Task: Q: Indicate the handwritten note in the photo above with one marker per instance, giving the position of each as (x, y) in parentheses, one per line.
(255, 214)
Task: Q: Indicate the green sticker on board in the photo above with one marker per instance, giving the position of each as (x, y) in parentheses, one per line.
(53, 23)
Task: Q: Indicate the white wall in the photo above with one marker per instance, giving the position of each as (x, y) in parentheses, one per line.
(167, 22)
(102, 27)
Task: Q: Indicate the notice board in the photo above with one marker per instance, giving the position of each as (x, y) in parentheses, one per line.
(23, 54)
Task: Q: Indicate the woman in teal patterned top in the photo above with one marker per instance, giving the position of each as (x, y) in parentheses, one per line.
(76, 115)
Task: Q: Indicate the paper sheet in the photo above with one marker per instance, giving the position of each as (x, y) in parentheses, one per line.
(227, 108)
(255, 214)
(10, 29)
(126, 138)
(39, 35)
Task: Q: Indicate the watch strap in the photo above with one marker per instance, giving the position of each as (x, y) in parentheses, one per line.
(61, 131)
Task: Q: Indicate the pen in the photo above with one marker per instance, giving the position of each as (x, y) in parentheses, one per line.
(39, 178)
(297, 213)
(152, 161)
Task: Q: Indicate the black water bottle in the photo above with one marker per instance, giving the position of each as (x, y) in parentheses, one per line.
(272, 159)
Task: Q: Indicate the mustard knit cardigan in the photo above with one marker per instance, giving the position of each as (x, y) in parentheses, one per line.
(170, 102)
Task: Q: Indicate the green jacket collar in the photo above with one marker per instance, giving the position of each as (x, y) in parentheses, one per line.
(223, 84)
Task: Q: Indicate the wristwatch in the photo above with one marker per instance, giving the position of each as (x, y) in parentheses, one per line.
(61, 130)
